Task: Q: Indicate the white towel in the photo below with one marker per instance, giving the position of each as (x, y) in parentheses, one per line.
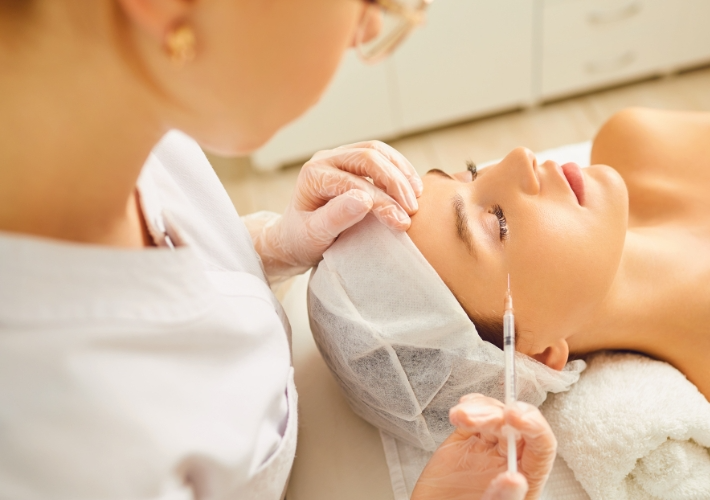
(634, 428)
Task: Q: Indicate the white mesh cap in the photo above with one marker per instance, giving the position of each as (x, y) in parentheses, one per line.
(399, 343)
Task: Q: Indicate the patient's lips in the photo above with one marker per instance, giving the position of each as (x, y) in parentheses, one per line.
(573, 174)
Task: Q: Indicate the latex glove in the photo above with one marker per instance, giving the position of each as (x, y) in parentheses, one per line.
(472, 462)
(333, 193)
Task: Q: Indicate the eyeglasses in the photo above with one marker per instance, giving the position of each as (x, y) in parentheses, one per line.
(396, 19)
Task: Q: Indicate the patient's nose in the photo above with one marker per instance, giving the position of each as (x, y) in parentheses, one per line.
(522, 167)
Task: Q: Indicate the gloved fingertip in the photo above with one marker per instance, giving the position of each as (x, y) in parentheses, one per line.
(412, 203)
(514, 480)
(517, 481)
(359, 201)
(403, 220)
(393, 216)
(459, 414)
(523, 416)
(455, 416)
(418, 186)
(397, 224)
(523, 407)
(507, 486)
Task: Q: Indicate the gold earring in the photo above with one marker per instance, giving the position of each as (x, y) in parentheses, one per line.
(180, 44)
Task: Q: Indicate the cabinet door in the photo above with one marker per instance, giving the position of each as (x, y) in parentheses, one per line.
(693, 32)
(355, 107)
(471, 58)
(588, 44)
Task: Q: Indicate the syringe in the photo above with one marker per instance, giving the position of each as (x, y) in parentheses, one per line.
(510, 394)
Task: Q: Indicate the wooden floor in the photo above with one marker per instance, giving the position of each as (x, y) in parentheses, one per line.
(572, 120)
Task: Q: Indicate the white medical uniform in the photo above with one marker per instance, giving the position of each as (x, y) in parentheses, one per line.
(146, 374)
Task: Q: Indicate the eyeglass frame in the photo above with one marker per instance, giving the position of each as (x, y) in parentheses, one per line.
(411, 19)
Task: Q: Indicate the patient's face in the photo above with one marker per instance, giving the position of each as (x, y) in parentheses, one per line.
(525, 219)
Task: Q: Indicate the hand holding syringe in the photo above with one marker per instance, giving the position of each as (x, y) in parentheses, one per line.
(463, 465)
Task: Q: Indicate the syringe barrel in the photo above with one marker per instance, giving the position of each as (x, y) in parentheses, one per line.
(508, 329)
(509, 352)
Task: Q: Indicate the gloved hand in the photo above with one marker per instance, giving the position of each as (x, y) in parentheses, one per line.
(472, 462)
(332, 194)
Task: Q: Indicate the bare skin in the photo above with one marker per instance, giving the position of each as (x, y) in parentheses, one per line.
(660, 302)
(625, 269)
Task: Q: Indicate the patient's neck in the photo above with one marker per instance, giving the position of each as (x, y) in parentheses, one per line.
(654, 306)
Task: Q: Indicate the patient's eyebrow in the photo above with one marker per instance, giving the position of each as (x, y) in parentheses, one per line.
(462, 230)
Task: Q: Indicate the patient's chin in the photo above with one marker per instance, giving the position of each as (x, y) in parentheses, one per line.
(610, 192)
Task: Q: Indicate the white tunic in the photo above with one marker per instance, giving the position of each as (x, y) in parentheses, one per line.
(146, 374)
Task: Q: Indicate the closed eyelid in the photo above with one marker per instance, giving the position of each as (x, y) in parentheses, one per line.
(463, 229)
(440, 173)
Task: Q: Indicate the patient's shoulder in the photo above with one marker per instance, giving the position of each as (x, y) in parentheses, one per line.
(643, 140)
(664, 158)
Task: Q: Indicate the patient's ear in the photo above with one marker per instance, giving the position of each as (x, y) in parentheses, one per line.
(157, 16)
(555, 356)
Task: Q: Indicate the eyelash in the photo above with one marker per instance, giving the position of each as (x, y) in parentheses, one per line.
(498, 212)
(471, 167)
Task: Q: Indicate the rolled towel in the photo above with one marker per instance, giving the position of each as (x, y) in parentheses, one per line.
(634, 428)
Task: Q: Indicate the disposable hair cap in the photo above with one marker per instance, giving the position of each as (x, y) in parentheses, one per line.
(400, 345)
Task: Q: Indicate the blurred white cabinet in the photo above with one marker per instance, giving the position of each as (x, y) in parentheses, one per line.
(692, 32)
(590, 43)
(473, 57)
(476, 57)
